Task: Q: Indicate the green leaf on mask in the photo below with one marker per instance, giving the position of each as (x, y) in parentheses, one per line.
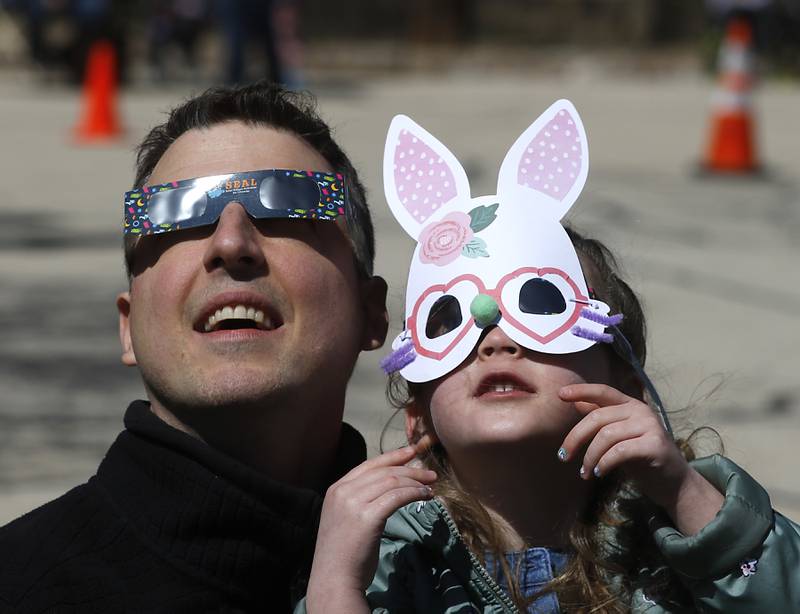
(476, 248)
(481, 217)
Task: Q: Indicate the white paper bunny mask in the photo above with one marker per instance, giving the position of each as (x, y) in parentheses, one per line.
(503, 259)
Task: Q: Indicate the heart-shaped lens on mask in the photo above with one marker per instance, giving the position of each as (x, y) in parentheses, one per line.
(541, 297)
(444, 316)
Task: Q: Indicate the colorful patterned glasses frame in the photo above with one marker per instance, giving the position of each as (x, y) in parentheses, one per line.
(274, 193)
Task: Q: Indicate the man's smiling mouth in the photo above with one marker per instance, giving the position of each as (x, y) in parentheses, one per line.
(232, 317)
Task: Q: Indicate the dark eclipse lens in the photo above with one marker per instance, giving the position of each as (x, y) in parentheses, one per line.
(286, 192)
(444, 316)
(541, 297)
(178, 205)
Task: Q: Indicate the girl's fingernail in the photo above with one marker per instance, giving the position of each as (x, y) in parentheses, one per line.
(562, 454)
(596, 472)
(582, 471)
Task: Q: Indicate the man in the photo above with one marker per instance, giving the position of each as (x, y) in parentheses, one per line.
(245, 329)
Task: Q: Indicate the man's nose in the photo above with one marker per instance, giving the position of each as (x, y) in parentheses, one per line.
(235, 244)
(496, 343)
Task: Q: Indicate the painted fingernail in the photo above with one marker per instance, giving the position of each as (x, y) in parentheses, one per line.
(562, 454)
(582, 471)
(596, 472)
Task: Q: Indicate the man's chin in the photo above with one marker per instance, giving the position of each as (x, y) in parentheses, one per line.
(233, 390)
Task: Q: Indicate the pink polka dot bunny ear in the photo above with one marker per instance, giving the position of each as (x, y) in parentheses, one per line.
(549, 161)
(421, 177)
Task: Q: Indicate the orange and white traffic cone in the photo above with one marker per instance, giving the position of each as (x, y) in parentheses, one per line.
(99, 120)
(731, 147)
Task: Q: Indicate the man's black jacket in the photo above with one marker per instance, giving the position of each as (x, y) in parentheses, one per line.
(168, 524)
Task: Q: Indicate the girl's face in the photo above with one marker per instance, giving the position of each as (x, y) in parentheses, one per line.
(505, 394)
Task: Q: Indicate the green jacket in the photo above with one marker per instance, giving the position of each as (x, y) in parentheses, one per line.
(425, 567)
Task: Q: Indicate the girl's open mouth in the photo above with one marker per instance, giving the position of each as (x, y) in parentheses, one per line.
(506, 384)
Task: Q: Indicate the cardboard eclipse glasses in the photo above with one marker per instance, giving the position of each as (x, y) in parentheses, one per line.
(275, 193)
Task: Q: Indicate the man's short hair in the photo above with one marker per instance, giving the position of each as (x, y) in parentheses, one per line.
(262, 104)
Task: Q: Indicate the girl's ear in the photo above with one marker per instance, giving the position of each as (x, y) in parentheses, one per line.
(631, 385)
(420, 175)
(624, 377)
(416, 429)
(546, 167)
(413, 425)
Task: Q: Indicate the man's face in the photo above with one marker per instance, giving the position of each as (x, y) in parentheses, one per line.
(317, 313)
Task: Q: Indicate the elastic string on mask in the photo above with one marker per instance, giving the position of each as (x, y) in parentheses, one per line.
(633, 361)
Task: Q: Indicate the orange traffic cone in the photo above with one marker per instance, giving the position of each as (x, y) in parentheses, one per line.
(99, 121)
(731, 148)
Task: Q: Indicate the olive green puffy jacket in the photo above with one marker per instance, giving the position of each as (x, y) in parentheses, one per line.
(425, 567)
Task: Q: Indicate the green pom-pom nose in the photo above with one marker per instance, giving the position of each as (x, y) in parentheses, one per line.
(484, 309)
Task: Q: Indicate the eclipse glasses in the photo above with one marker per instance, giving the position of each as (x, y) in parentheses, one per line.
(275, 193)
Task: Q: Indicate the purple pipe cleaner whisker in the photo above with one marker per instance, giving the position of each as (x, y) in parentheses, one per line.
(591, 335)
(596, 316)
(399, 358)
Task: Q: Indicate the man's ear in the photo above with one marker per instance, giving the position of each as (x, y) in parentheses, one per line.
(376, 316)
(124, 309)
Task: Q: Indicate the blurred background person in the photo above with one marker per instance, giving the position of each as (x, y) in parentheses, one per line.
(99, 20)
(289, 45)
(176, 24)
(244, 22)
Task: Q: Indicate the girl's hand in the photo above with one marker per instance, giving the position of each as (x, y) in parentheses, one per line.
(620, 432)
(354, 514)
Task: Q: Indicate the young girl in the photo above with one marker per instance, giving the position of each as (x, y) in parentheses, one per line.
(546, 481)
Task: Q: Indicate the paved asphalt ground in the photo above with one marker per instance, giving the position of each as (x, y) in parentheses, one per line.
(715, 259)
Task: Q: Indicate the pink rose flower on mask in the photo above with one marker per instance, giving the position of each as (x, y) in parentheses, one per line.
(441, 242)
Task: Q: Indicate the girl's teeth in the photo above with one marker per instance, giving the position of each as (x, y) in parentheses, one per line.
(240, 312)
(227, 313)
(503, 387)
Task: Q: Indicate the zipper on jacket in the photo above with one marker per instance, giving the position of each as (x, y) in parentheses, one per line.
(498, 592)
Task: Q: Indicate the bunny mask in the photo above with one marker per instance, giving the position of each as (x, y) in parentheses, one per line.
(502, 260)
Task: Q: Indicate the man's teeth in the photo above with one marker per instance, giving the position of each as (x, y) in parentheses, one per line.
(238, 312)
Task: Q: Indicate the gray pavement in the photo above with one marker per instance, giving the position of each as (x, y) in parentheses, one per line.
(715, 260)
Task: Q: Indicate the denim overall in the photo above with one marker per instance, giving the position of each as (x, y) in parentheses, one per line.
(536, 567)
